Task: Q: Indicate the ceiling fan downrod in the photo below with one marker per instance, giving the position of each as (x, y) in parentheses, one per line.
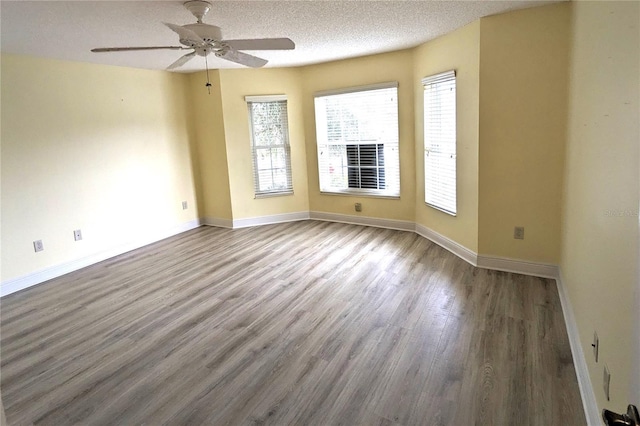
(198, 8)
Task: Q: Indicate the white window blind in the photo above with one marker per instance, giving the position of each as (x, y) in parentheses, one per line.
(357, 140)
(270, 145)
(440, 141)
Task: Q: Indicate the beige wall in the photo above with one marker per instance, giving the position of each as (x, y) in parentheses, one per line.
(460, 51)
(236, 84)
(396, 66)
(99, 148)
(600, 221)
(523, 115)
(211, 165)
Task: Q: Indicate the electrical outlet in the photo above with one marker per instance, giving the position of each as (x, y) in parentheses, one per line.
(606, 380)
(77, 235)
(595, 345)
(518, 232)
(184, 205)
(358, 207)
(38, 246)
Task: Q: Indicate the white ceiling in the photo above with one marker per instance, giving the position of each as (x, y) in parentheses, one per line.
(322, 30)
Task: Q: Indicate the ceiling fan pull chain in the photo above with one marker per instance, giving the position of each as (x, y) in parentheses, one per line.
(206, 64)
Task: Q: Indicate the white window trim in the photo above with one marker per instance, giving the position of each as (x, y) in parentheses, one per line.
(434, 79)
(287, 146)
(362, 192)
(354, 89)
(265, 98)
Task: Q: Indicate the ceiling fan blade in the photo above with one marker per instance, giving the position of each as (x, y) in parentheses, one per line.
(182, 60)
(124, 49)
(185, 33)
(242, 58)
(262, 44)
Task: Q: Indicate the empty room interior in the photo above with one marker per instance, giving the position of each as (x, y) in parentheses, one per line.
(423, 213)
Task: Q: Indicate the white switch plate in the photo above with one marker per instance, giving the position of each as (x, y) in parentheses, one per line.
(38, 246)
(77, 235)
(184, 205)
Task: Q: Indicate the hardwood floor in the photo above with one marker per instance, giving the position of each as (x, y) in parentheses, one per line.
(307, 323)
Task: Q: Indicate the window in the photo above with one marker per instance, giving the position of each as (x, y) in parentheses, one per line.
(440, 141)
(270, 145)
(357, 138)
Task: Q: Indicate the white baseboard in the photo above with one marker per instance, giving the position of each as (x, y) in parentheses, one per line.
(459, 250)
(523, 267)
(516, 266)
(269, 220)
(20, 283)
(218, 222)
(589, 402)
(400, 225)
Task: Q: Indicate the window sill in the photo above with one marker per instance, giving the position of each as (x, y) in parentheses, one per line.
(273, 194)
(440, 209)
(360, 194)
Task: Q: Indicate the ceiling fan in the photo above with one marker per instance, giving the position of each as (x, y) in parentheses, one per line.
(204, 39)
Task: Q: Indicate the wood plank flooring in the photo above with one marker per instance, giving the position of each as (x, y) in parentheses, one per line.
(305, 323)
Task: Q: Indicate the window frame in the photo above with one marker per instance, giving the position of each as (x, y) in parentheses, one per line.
(391, 149)
(285, 145)
(438, 189)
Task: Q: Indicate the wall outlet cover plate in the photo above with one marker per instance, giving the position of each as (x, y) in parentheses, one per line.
(518, 232)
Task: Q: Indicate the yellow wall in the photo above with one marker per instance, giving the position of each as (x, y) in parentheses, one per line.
(211, 165)
(545, 96)
(99, 148)
(523, 115)
(460, 51)
(395, 66)
(600, 220)
(236, 84)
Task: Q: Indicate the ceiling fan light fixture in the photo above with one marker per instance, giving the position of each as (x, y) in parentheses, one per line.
(199, 8)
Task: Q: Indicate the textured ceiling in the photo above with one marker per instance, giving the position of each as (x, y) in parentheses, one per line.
(322, 30)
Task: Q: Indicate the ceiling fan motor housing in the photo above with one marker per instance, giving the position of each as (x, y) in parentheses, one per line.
(208, 33)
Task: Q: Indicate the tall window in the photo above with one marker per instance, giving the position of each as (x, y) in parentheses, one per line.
(270, 145)
(357, 139)
(440, 141)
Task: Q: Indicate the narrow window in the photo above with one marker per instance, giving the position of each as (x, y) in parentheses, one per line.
(440, 141)
(357, 140)
(270, 145)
